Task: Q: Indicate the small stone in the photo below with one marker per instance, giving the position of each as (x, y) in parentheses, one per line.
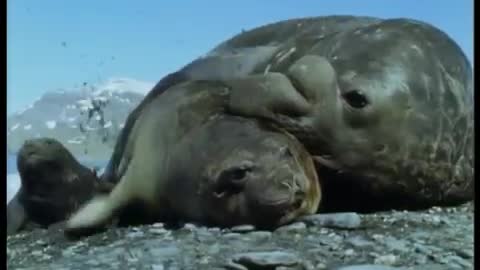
(294, 227)
(336, 220)
(466, 254)
(231, 235)
(36, 253)
(323, 231)
(242, 228)
(308, 265)
(358, 241)
(135, 234)
(41, 243)
(459, 261)
(157, 267)
(158, 225)
(389, 259)
(260, 235)
(266, 259)
(214, 229)
(349, 252)
(297, 237)
(378, 237)
(396, 245)
(368, 267)
(422, 259)
(189, 226)
(157, 231)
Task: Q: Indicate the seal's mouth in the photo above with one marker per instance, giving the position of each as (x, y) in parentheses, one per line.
(273, 213)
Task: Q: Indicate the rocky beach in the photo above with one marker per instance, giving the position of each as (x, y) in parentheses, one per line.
(436, 238)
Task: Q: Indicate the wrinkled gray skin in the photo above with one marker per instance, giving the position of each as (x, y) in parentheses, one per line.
(53, 185)
(391, 106)
(187, 160)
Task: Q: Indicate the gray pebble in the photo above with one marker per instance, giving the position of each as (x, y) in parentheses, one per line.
(266, 259)
(135, 234)
(358, 241)
(466, 254)
(294, 227)
(242, 228)
(396, 245)
(189, 226)
(157, 230)
(231, 235)
(336, 220)
(369, 267)
(259, 235)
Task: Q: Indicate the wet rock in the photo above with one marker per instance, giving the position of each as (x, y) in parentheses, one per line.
(259, 235)
(359, 241)
(369, 267)
(388, 259)
(294, 227)
(242, 228)
(336, 220)
(265, 260)
(384, 241)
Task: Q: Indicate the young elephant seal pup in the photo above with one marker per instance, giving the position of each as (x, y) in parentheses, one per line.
(185, 159)
(53, 185)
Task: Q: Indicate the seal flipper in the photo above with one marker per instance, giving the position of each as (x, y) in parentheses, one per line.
(265, 95)
(16, 215)
(99, 211)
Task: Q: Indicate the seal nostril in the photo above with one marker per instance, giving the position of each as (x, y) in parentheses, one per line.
(300, 195)
(231, 181)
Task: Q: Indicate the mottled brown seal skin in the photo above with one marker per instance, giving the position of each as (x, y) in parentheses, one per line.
(53, 185)
(391, 105)
(187, 160)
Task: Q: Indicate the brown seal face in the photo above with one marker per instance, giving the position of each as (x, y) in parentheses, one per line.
(256, 175)
(53, 183)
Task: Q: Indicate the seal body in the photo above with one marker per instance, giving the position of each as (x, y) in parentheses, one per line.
(385, 105)
(53, 185)
(187, 160)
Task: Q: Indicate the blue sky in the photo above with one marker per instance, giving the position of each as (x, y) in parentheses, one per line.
(54, 44)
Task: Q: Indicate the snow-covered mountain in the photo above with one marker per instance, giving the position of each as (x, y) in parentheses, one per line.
(86, 120)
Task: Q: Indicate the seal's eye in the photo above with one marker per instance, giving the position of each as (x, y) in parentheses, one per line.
(356, 99)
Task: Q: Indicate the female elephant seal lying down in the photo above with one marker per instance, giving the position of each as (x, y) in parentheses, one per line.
(185, 159)
(53, 185)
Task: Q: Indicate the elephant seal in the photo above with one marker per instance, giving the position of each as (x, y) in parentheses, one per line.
(187, 160)
(391, 105)
(53, 185)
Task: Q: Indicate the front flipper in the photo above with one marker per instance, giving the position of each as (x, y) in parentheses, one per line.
(16, 215)
(100, 211)
(266, 95)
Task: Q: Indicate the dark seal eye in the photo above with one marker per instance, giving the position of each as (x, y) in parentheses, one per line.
(356, 99)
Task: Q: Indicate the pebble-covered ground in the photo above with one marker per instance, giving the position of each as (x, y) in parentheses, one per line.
(438, 238)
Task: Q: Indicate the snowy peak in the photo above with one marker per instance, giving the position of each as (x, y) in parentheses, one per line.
(122, 85)
(86, 117)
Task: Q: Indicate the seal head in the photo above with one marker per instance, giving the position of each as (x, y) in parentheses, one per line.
(258, 175)
(53, 183)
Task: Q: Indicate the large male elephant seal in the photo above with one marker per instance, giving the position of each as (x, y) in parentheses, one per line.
(53, 185)
(187, 160)
(391, 105)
